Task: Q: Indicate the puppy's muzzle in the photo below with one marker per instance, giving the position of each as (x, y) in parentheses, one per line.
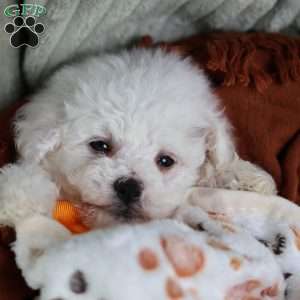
(128, 190)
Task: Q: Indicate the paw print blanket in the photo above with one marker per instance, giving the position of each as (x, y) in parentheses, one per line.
(224, 244)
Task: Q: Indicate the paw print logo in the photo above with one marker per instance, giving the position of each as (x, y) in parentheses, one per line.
(24, 31)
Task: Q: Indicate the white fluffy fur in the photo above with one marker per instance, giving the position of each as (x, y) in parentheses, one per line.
(144, 102)
(26, 190)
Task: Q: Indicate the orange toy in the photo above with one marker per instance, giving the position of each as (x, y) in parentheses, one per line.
(67, 214)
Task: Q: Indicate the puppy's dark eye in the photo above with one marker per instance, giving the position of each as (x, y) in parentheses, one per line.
(165, 161)
(101, 147)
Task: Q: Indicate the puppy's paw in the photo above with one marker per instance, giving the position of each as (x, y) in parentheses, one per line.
(25, 190)
(198, 219)
(34, 236)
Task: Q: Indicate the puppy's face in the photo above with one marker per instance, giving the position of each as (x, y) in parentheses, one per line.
(130, 164)
(127, 133)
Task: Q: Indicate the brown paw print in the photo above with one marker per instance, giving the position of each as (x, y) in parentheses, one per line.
(251, 290)
(148, 260)
(244, 291)
(173, 289)
(271, 291)
(186, 259)
(236, 263)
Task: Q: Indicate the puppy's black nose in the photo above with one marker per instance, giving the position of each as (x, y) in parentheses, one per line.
(128, 190)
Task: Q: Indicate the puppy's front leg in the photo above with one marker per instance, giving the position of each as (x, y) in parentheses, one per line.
(198, 219)
(25, 190)
(34, 236)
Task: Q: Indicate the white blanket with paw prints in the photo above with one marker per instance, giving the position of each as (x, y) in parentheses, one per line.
(239, 246)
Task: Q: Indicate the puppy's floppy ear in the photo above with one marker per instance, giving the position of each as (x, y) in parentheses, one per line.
(36, 130)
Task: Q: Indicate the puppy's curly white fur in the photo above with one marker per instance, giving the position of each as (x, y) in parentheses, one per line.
(128, 135)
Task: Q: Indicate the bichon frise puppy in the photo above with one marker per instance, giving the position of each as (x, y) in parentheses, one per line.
(125, 136)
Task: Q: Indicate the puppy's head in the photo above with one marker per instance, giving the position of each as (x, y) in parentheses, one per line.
(125, 133)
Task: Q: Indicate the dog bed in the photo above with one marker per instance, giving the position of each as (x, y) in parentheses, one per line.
(257, 77)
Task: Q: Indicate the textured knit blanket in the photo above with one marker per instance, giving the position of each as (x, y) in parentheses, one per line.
(78, 26)
(243, 246)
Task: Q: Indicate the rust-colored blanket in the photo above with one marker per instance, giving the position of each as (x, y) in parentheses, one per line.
(257, 76)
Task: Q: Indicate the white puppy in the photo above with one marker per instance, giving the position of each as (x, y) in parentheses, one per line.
(125, 136)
